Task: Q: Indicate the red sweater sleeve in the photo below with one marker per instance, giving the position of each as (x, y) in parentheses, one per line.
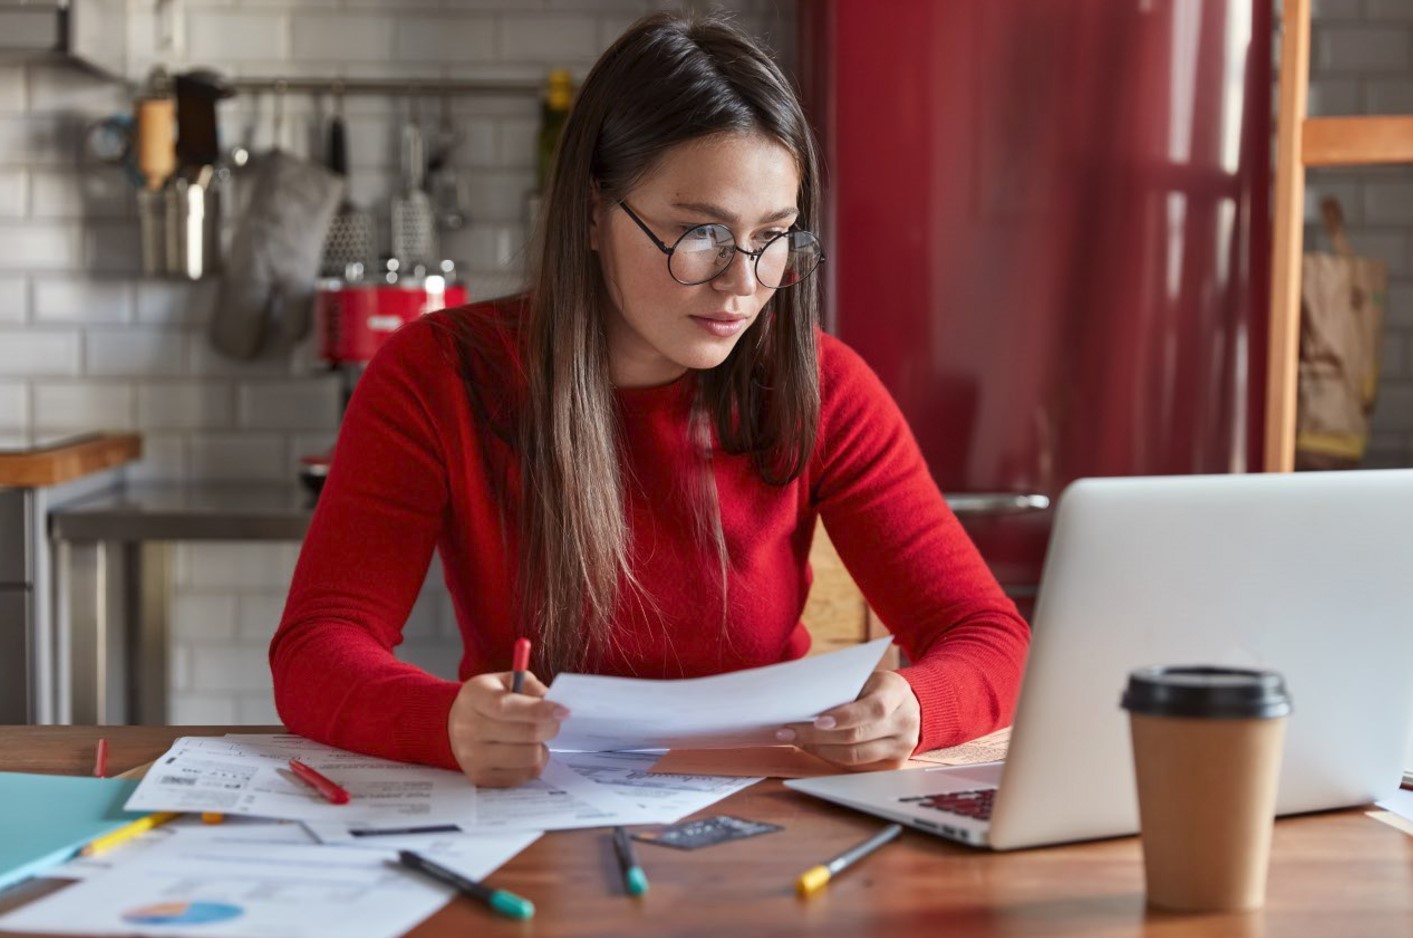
(915, 564)
(361, 567)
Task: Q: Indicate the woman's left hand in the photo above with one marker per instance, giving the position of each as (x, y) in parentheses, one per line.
(879, 730)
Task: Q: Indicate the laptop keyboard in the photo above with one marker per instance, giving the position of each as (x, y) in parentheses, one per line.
(973, 804)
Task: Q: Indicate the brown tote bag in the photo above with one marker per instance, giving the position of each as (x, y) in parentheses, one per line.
(1341, 316)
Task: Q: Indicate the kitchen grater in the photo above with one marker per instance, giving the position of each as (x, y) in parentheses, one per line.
(414, 233)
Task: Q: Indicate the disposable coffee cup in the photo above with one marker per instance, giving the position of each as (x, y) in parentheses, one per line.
(1207, 754)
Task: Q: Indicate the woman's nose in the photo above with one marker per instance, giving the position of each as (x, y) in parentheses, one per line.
(739, 277)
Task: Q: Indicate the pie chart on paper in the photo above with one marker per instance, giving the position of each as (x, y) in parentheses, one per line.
(183, 913)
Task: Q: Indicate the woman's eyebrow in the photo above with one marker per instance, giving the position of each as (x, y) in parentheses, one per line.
(716, 211)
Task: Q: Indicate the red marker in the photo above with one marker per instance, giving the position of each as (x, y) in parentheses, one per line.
(334, 793)
(100, 760)
(520, 662)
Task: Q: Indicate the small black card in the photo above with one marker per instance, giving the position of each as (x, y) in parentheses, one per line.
(691, 835)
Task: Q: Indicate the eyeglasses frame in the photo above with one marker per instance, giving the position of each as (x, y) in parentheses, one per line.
(736, 249)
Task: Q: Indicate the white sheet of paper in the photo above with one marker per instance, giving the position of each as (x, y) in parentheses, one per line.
(191, 887)
(742, 708)
(475, 856)
(560, 799)
(250, 775)
(231, 830)
(669, 797)
(1400, 803)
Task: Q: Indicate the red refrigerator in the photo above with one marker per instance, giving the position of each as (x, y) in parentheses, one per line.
(1049, 235)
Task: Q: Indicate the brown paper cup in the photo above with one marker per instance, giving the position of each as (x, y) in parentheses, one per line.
(1206, 793)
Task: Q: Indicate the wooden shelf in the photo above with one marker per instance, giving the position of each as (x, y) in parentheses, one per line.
(67, 461)
(1357, 141)
(1303, 141)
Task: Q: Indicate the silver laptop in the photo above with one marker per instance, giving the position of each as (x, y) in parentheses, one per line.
(1309, 574)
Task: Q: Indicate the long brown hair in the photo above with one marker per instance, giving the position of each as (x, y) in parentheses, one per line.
(669, 79)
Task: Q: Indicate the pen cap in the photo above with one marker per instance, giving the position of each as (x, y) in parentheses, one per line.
(511, 905)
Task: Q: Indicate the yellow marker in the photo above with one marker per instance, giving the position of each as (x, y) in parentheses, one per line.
(812, 880)
(127, 832)
(212, 817)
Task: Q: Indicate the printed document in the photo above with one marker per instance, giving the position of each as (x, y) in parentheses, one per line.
(668, 798)
(191, 886)
(231, 830)
(250, 775)
(560, 799)
(742, 708)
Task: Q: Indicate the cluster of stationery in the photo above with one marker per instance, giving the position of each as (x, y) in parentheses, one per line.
(318, 840)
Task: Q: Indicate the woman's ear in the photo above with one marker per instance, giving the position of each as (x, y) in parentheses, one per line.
(595, 209)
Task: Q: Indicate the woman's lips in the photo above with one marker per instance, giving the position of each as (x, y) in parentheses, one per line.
(724, 326)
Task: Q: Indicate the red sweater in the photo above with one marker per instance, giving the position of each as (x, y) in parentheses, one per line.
(410, 477)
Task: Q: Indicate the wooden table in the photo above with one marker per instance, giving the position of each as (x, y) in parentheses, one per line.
(1337, 874)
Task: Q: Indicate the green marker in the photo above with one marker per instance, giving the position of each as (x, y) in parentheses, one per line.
(634, 879)
(506, 903)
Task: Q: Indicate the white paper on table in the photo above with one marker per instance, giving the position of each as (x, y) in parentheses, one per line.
(669, 797)
(475, 856)
(560, 799)
(742, 708)
(1400, 803)
(250, 775)
(231, 830)
(188, 886)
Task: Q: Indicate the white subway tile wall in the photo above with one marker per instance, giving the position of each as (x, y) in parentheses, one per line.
(87, 342)
(14, 406)
(1362, 63)
(14, 189)
(74, 405)
(71, 299)
(14, 298)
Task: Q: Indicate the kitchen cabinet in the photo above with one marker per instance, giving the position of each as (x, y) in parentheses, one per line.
(33, 483)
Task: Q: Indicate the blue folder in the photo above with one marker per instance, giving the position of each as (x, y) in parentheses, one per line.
(45, 819)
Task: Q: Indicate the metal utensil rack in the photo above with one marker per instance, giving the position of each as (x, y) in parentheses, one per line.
(411, 87)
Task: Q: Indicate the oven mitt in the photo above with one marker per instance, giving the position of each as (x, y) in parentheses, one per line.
(267, 294)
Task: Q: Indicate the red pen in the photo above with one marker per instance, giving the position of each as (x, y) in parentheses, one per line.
(100, 760)
(520, 661)
(322, 785)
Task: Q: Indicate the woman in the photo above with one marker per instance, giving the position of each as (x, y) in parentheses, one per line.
(627, 464)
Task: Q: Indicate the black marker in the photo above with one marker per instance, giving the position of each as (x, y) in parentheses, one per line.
(634, 879)
(506, 903)
(393, 831)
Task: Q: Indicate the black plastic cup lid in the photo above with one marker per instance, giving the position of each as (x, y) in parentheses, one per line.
(1197, 691)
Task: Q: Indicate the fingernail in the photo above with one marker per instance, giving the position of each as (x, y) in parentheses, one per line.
(560, 713)
(824, 723)
(785, 735)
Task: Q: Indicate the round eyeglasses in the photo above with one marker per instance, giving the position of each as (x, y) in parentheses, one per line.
(703, 253)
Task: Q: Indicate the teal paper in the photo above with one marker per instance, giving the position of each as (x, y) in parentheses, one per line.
(45, 819)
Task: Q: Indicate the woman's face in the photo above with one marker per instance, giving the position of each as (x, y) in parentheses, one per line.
(657, 328)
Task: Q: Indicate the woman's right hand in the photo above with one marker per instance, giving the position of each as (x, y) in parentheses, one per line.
(499, 737)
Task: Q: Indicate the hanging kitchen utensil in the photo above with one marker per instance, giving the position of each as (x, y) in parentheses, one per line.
(445, 187)
(180, 207)
(349, 250)
(196, 190)
(414, 236)
(267, 294)
(156, 131)
(197, 92)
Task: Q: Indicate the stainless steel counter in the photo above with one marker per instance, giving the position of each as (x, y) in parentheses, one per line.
(113, 584)
(34, 480)
(188, 512)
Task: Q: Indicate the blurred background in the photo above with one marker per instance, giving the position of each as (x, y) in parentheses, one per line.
(1049, 231)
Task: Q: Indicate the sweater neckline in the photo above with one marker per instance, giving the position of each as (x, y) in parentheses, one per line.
(659, 397)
